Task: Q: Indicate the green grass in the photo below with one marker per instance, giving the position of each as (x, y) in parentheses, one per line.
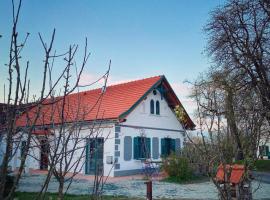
(262, 165)
(193, 179)
(53, 196)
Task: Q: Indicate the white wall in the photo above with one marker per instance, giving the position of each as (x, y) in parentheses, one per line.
(141, 117)
(106, 131)
(153, 124)
(31, 160)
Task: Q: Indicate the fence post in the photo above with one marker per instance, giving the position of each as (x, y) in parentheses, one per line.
(148, 190)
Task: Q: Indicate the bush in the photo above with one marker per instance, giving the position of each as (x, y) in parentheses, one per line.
(177, 167)
(262, 165)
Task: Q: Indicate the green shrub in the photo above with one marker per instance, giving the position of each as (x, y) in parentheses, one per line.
(262, 165)
(248, 162)
(177, 167)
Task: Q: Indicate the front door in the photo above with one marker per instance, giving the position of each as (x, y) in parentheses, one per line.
(94, 156)
(44, 151)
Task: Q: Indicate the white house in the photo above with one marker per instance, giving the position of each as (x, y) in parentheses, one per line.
(135, 121)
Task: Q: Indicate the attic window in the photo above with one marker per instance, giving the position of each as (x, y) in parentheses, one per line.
(157, 108)
(152, 106)
(154, 92)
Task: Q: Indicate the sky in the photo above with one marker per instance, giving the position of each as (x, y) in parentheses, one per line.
(142, 38)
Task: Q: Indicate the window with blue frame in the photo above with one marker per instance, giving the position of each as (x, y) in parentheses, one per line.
(152, 106)
(167, 146)
(141, 148)
(157, 108)
(264, 150)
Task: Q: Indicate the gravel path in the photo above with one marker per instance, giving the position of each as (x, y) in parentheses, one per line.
(136, 188)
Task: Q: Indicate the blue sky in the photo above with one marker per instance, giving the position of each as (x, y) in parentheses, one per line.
(142, 38)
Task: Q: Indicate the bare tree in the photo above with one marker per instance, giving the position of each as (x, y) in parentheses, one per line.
(230, 123)
(24, 115)
(239, 41)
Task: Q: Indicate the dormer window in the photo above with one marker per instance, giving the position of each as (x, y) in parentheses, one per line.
(157, 108)
(152, 106)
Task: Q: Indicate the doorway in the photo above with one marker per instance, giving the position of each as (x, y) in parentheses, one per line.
(94, 156)
(44, 151)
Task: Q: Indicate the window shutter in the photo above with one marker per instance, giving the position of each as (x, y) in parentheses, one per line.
(86, 157)
(267, 150)
(136, 147)
(23, 148)
(155, 147)
(127, 148)
(148, 147)
(163, 147)
(177, 144)
(172, 145)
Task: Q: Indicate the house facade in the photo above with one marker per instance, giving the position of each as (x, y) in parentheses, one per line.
(134, 122)
(264, 148)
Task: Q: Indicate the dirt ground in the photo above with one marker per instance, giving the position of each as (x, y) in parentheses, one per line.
(133, 186)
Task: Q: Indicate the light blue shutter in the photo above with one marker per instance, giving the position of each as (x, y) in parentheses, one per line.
(155, 147)
(127, 148)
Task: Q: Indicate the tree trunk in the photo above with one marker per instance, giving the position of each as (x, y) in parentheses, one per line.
(61, 189)
(230, 115)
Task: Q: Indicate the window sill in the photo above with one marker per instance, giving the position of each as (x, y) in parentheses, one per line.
(155, 115)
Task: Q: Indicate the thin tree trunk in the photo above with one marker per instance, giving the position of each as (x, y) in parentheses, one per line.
(230, 115)
(61, 189)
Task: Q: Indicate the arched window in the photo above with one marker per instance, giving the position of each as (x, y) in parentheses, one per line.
(152, 106)
(157, 108)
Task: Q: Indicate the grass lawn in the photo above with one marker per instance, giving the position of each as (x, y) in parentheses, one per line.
(53, 196)
(262, 165)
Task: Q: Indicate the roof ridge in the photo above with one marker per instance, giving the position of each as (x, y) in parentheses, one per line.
(113, 85)
(118, 84)
(135, 80)
(96, 89)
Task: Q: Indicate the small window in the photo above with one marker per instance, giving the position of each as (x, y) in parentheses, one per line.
(23, 148)
(152, 106)
(157, 108)
(167, 146)
(264, 150)
(141, 147)
(154, 92)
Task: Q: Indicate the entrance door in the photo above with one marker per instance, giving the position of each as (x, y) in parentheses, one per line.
(94, 156)
(44, 150)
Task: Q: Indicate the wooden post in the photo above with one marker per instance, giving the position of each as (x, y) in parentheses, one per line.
(148, 190)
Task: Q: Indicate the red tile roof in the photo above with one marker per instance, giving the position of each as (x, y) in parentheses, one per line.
(115, 103)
